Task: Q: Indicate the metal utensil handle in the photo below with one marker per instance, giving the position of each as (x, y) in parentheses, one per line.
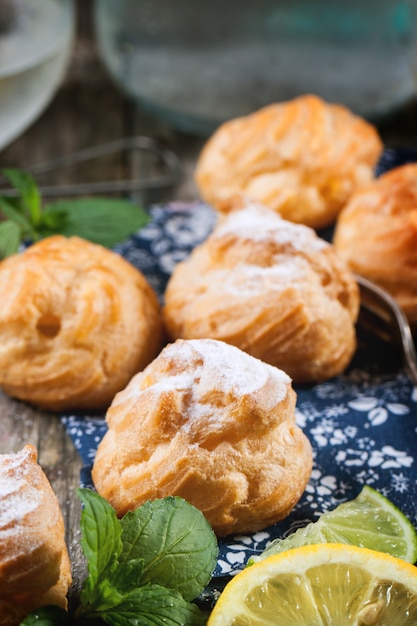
(168, 158)
(384, 306)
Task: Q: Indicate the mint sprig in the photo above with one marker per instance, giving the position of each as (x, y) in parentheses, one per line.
(105, 221)
(146, 567)
(143, 569)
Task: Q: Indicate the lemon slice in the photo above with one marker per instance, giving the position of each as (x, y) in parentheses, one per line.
(370, 521)
(321, 585)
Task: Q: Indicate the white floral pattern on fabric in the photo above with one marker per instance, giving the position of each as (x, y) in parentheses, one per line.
(362, 426)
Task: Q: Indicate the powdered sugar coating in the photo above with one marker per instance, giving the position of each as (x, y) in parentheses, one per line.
(258, 223)
(230, 370)
(18, 498)
(211, 376)
(244, 280)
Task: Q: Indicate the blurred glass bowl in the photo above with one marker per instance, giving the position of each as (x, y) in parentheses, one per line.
(35, 45)
(198, 63)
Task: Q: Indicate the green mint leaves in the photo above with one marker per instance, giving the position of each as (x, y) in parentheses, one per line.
(104, 221)
(146, 567)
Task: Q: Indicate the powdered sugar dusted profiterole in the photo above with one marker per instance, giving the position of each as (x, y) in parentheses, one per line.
(34, 564)
(212, 424)
(270, 287)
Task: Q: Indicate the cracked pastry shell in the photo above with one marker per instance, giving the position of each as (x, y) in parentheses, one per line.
(270, 287)
(376, 235)
(302, 158)
(34, 564)
(76, 322)
(209, 423)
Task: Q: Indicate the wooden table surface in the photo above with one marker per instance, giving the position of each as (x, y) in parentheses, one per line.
(89, 110)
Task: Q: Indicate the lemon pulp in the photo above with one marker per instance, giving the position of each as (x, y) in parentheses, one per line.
(321, 585)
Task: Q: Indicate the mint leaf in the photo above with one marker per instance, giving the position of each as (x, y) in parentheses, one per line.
(47, 616)
(153, 605)
(10, 209)
(101, 598)
(144, 568)
(52, 222)
(10, 237)
(101, 544)
(176, 543)
(28, 192)
(128, 576)
(104, 221)
(101, 220)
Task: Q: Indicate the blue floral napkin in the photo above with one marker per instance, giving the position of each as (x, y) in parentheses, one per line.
(362, 425)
